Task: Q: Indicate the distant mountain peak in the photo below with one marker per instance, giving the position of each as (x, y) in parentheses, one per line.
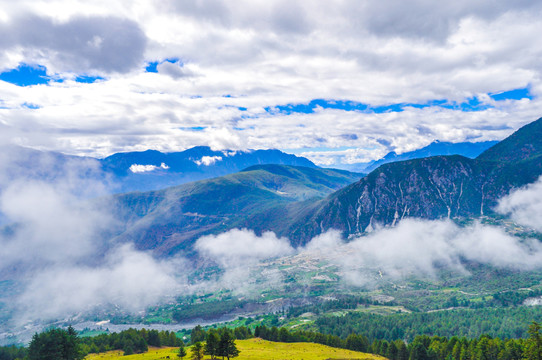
(467, 149)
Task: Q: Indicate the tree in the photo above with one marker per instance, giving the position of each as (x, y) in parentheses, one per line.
(533, 348)
(197, 351)
(357, 342)
(227, 347)
(212, 344)
(55, 344)
(182, 351)
(197, 334)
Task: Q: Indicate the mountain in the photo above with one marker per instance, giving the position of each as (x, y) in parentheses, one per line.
(151, 170)
(429, 188)
(171, 219)
(467, 149)
(135, 171)
(302, 202)
(524, 144)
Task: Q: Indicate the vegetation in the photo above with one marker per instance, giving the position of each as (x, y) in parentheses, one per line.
(207, 310)
(12, 353)
(55, 344)
(253, 349)
(58, 344)
(182, 351)
(130, 341)
(198, 351)
(424, 347)
(470, 323)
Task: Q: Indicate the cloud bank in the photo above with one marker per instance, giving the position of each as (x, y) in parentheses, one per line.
(524, 205)
(56, 247)
(237, 69)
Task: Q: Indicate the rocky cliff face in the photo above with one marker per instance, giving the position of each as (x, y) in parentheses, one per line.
(430, 188)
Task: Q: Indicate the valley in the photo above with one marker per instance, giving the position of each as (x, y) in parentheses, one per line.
(291, 246)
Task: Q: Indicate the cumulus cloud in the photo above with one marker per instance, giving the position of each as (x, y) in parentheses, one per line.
(252, 56)
(208, 160)
(524, 205)
(80, 44)
(137, 168)
(175, 70)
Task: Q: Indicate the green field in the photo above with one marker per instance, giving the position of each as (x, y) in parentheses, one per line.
(253, 349)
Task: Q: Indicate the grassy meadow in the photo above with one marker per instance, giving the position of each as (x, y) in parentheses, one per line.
(252, 349)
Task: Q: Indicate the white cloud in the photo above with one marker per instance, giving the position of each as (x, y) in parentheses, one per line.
(129, 279)
(239, 252)
(137, 168)
(240, 247)
(524, 205)
(254, 52)
(175, 70)
(423, 248)
(208, 160)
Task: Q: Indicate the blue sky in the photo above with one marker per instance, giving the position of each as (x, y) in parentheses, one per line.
(337, 84)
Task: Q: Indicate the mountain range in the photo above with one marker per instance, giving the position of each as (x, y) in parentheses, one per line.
(301, 202)
(467, 149)
(151, 169)
(267, 190)
(428, 188)
(172, 219)
(136, 171)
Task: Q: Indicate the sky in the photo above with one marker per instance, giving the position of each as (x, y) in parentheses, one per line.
(339, 82)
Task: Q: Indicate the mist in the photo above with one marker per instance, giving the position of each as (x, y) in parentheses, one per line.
(524, 205)
(55, 246)
(239, 252)
(55, 249)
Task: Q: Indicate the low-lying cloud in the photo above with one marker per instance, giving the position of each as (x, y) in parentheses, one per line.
(56, 248)
(524, 205)
(238, 252)
(414, 247)
(422, 248)
(242, 247)
(129, 279)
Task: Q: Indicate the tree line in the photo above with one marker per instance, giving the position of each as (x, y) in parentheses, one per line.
(497, 322)
(423, 347)
(60, 344)
(130, 341)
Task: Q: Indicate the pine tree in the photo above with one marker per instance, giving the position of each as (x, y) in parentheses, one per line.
(533, 349)
(197, 351)
(182, 351)
(227, 347)
(55, 344)
(212, 345)
(197, 334)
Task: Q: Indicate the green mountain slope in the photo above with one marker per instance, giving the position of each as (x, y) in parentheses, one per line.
(430, 188)
(292, 202)
(521, 145)
(170, 220)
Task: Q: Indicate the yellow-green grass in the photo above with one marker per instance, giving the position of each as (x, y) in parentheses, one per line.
(152, 354)
(253, 349)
